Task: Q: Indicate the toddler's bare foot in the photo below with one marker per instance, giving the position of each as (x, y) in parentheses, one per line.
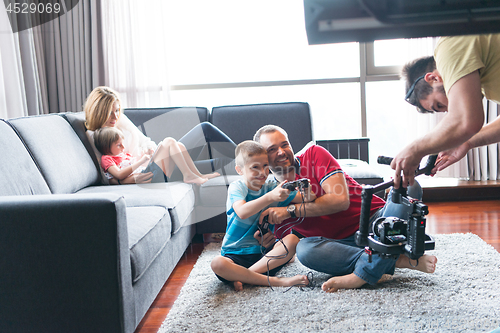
(425, 263)
(211, 175)
(349, 281)
(195, 180)
(238, 286)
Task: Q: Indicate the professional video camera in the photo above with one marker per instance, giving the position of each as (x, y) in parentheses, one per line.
(392, 236)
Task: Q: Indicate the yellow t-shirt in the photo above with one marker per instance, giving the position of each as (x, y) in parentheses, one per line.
(462, 55)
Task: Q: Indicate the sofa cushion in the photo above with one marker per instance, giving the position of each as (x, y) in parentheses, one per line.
(61, 156)
(19, 174)
(149, 230)
(177, 197)
(213, 193)
(361, 171)
(159, 123)
(240, 122)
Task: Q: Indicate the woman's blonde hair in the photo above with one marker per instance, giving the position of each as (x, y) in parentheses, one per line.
(104, 137)
(98, 107)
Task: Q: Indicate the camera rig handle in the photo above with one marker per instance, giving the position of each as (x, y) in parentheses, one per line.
(429, 165)
(363, 236)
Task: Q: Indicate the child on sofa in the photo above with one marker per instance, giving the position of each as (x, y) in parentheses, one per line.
(116, 163)
(243, 259)
(103, 109)
(120, 165)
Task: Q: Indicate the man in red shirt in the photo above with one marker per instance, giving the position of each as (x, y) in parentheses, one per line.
(331, 220)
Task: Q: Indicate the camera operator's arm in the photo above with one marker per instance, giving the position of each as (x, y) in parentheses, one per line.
(487, 135)
(335, 199)
(465, 118)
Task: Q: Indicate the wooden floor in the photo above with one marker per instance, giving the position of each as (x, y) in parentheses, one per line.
(478, 217)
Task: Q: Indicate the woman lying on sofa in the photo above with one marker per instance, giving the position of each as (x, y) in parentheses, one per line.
(103, 109)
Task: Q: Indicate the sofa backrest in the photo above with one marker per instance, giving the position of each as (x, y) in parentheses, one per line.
(60, 155)
(240, 122)
(77, 121)
(159, 123)
(19, 174)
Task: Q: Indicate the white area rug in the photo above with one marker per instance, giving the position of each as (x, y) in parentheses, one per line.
(463, 295)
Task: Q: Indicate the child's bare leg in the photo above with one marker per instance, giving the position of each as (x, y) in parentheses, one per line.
(425, 263)
(278, 255)
(192, 166)
(170, 150)
(230, 271)
(349, 281)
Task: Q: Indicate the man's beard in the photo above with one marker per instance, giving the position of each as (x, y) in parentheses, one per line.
(283, 170)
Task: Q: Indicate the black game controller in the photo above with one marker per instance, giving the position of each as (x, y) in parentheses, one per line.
(300, 183)
(264, 227)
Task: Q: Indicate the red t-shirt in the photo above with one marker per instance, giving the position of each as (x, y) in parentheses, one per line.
(318, 164)
(121, 160)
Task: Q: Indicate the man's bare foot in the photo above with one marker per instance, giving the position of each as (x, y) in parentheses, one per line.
(210, 175)
(238, 286)
(349, 281)
(385, 277)
(425, 263)
(195, 180)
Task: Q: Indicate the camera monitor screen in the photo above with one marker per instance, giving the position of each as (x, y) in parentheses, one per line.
(338, 21)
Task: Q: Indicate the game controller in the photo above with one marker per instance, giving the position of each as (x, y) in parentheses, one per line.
(264, 227)
(300, 183)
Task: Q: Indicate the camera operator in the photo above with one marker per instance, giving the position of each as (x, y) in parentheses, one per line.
(331, 220)
(463, 69)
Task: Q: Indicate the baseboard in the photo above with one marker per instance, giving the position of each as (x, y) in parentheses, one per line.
(449, 189)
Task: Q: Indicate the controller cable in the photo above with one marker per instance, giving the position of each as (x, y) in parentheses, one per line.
(290, 225)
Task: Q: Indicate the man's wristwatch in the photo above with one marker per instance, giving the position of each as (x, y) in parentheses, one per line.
(291, 209)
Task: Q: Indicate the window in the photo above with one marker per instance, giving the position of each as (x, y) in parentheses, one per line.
(391, 122)
(227, 41)
(335, 107)
(226, 52)
(230, 52)
(388, 56)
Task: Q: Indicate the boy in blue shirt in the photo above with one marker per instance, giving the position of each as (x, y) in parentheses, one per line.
(243, 259)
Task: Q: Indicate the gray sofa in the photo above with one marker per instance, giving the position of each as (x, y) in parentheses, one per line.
(78, 255)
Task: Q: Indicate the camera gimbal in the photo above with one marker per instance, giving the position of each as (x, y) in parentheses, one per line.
(391, 236)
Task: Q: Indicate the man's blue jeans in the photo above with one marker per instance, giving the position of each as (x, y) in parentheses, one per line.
(342, 257)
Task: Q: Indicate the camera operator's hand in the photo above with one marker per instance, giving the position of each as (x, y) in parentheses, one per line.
(449, 157)
(406, 162)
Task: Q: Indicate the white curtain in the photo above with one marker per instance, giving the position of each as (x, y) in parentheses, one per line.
(483, 161)
(135, 52)
(20, 82)
(52, 67)
(480, 163)
(72, 56)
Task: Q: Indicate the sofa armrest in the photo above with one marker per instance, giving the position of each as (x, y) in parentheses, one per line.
(65, 264)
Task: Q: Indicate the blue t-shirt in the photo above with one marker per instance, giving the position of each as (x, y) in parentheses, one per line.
(239, 233)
